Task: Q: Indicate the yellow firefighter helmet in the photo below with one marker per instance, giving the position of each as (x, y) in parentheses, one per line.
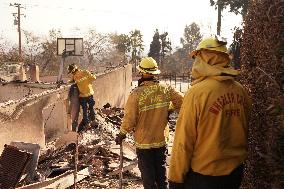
(149, 66)
(212, 43)
(72, 68)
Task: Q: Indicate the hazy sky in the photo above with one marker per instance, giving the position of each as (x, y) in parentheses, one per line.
(120, 16)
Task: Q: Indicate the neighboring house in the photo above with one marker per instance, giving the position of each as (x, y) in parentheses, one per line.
(12, 71)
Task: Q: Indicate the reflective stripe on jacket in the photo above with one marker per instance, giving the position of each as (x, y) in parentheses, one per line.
(84, 79)
(146, 112)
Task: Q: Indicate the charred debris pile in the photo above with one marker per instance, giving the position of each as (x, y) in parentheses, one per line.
(96, 158)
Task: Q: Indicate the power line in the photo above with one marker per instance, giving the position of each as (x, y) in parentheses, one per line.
(17, 21)
(76, 9)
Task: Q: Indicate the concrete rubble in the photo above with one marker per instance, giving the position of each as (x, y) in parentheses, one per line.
(97, 153)
(98, 157)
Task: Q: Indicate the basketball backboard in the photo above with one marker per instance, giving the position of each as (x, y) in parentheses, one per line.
(72, 46)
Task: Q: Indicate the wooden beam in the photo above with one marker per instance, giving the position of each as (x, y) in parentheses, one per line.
(60, 182)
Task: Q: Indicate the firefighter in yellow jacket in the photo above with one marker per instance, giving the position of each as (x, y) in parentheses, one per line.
(84, 80)
(146, 113)
(210, 143)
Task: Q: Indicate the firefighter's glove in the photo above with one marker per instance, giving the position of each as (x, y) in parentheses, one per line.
(119, 138)
(174, 185)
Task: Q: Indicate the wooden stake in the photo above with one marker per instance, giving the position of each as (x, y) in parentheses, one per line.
(121, 167)
(76, 161)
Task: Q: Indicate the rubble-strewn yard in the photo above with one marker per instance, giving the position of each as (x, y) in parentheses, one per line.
(97, 152)
(96, 149)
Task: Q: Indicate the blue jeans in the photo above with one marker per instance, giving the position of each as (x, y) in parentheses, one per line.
(87, 104)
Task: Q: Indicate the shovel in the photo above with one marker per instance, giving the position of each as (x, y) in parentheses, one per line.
(121, 166)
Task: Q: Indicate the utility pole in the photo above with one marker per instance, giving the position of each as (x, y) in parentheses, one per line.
(220, 8)
(17, 21)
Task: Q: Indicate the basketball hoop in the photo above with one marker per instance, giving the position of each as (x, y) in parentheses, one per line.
(68, 47)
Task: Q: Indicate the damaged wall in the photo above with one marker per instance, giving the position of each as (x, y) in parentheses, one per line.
(113, 87)
(22, 120)
(17, 91)
(55, 120)
(41, 117)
